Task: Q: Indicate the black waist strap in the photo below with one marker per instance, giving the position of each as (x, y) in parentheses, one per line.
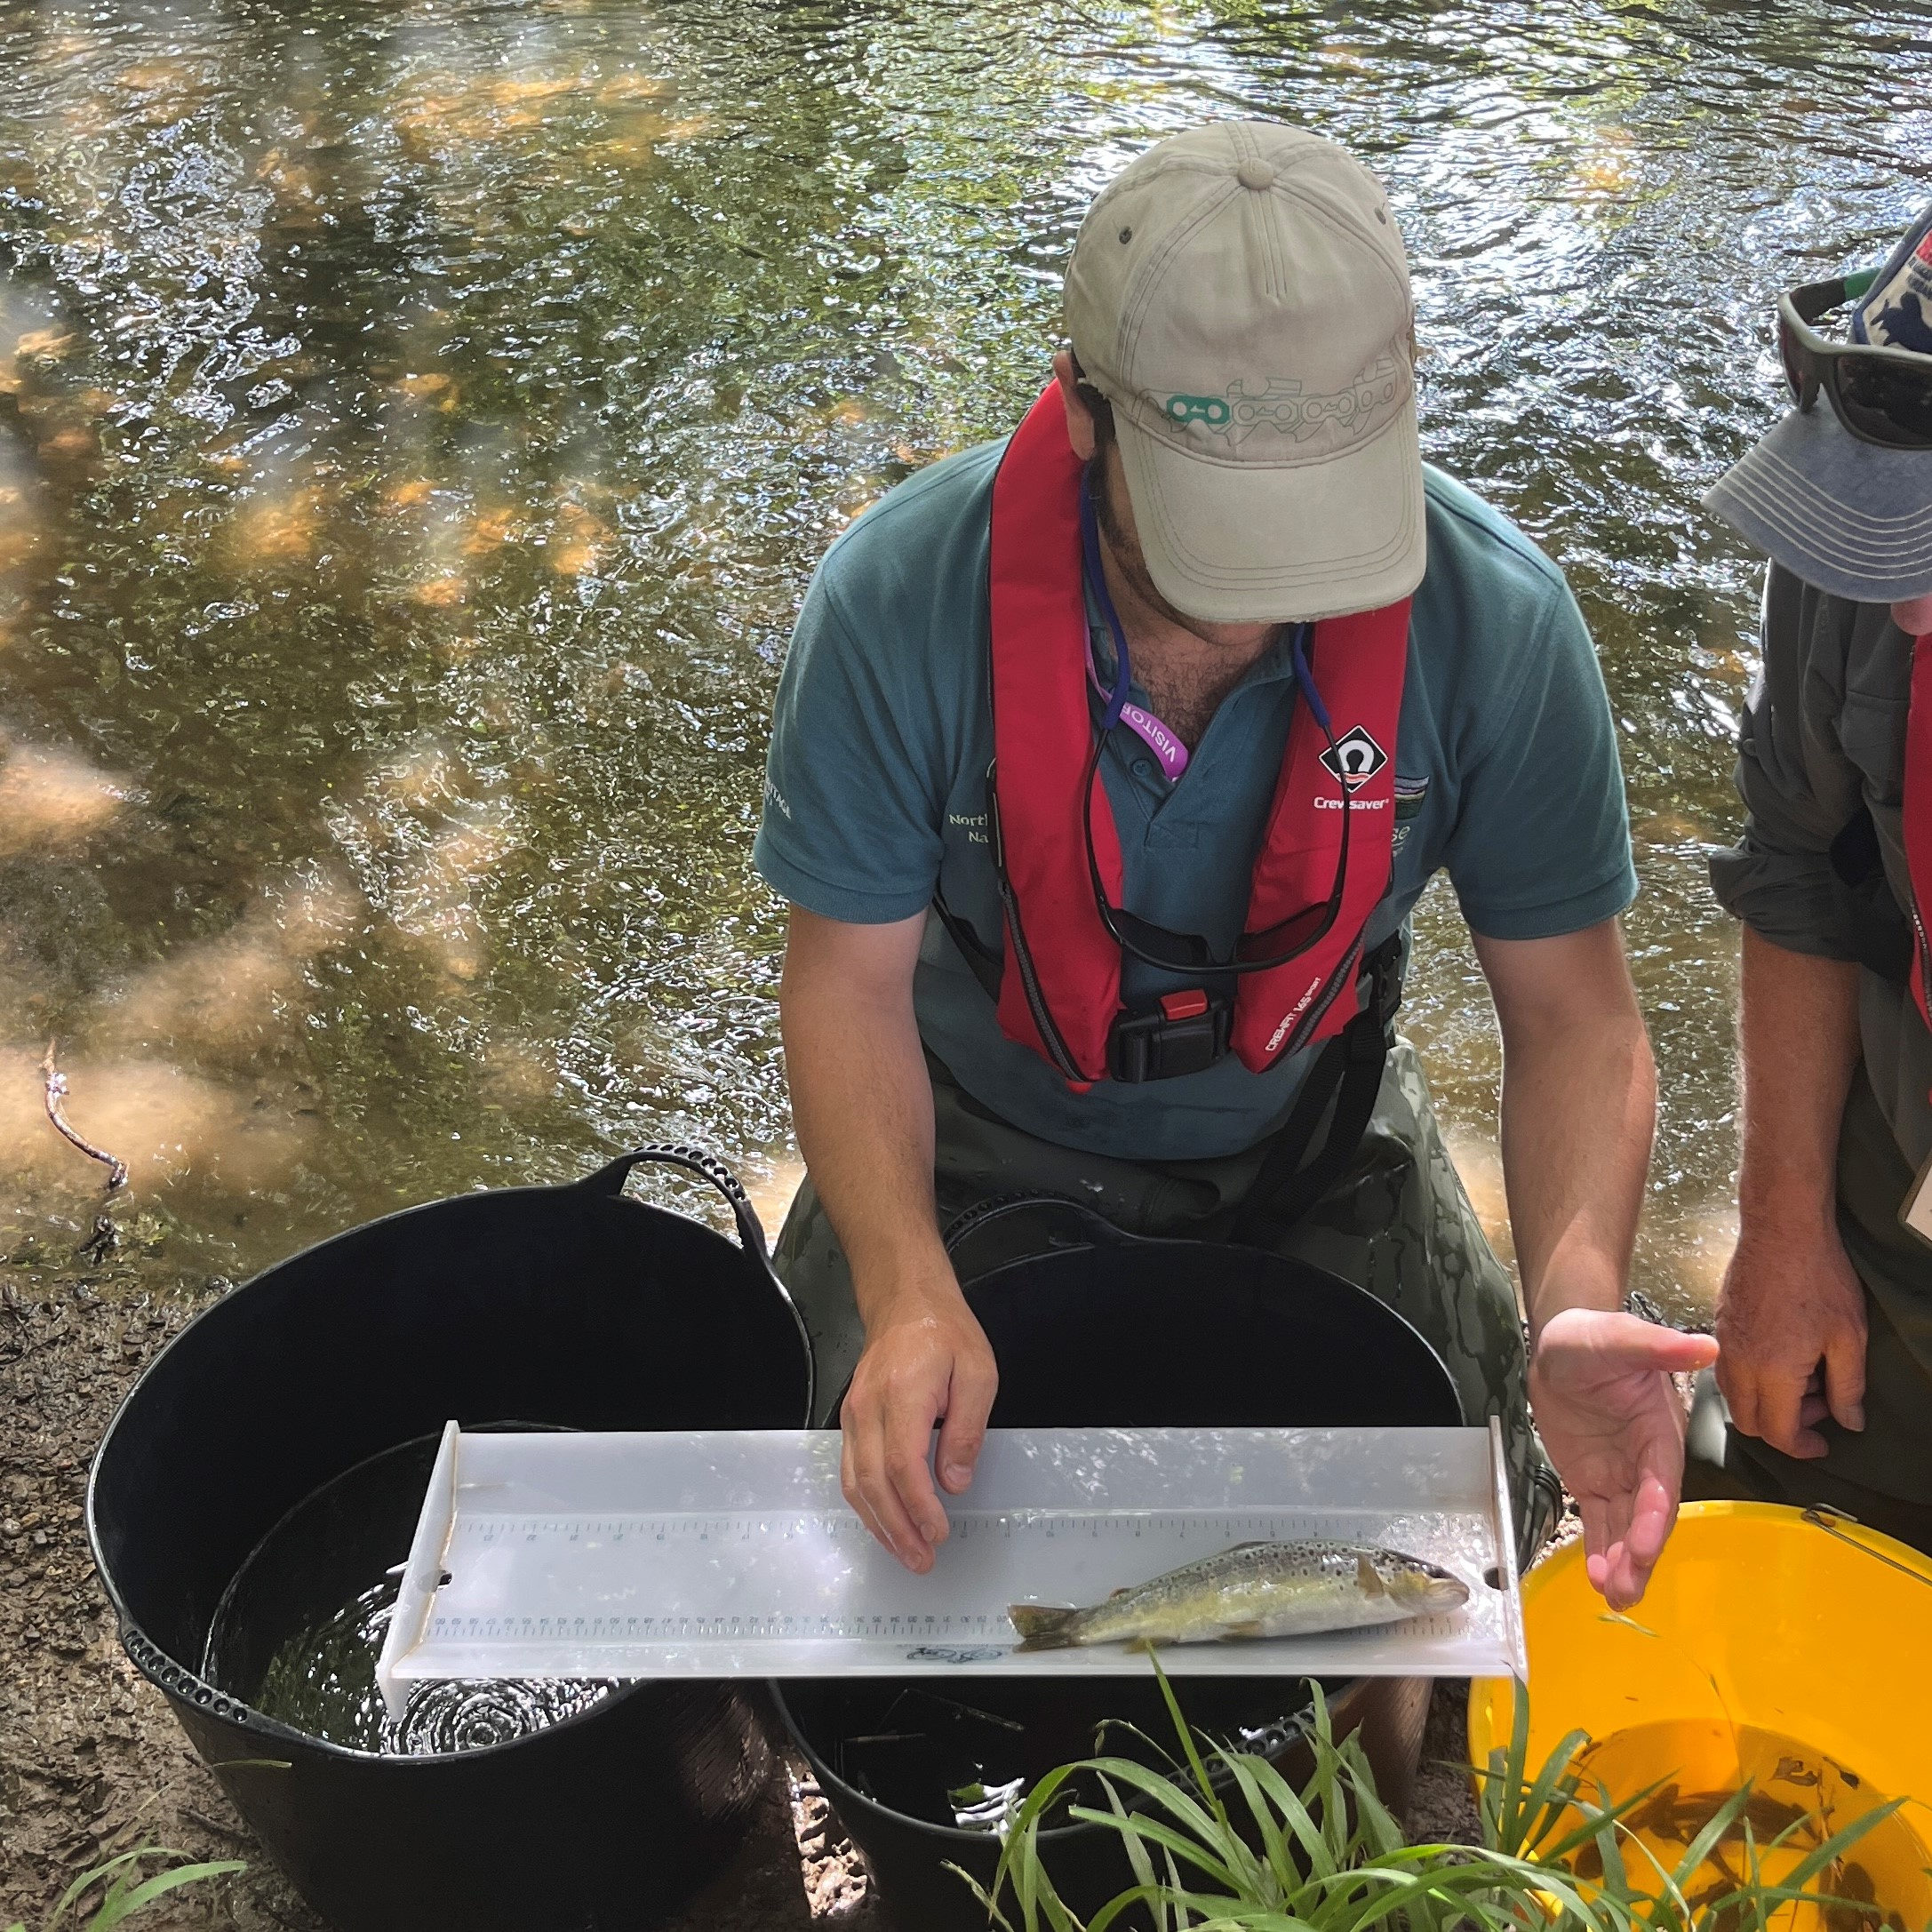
(1349, 1068)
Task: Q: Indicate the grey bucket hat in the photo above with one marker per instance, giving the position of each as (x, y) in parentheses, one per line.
(1852, 518)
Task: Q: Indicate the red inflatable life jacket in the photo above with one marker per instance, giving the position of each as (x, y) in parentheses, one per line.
(1059, 993)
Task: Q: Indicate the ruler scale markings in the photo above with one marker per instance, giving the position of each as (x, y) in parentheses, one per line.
(540, 1589)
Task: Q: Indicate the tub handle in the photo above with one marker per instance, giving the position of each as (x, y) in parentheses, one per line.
(1823, 1516)
(610, 1180)
(1096, 1230)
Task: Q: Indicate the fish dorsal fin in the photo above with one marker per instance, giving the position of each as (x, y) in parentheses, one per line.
(1253, 1543)
(1370, 1578)
(1125, 1590)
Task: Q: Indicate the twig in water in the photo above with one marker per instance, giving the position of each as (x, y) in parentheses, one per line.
(56, 1093)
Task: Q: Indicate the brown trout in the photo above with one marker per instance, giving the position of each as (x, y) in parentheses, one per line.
(1253, 1590)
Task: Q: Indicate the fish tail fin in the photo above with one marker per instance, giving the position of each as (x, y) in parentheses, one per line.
(1043, 1627)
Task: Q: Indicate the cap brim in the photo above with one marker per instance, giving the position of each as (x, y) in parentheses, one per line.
(1248, 542)
(1852, 518)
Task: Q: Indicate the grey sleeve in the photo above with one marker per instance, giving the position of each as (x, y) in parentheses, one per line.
(1799, 789)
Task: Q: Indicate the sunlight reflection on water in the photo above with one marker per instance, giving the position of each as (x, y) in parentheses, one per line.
(416, 424)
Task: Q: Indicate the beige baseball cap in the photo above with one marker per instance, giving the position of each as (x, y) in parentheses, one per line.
(1240, 295)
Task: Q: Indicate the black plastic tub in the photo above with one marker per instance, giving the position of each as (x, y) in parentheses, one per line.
(570, 1308)
(1106, 1330)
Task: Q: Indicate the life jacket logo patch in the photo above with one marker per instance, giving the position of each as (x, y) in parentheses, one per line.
(1355, 758)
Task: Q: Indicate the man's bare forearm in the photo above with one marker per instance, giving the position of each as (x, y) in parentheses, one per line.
(1579, 1108)
(1798, 1032)
(1578, 1113)
(863, 1102)
(863, 1107)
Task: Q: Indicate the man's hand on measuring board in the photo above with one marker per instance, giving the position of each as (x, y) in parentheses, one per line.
(1600, 1386)
(927, 1360)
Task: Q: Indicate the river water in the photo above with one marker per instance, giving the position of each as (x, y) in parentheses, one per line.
(417, 422)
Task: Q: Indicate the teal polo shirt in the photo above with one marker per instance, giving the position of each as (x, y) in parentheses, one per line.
(1506, 777)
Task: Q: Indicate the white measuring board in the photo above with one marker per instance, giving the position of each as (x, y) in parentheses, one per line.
(727, 1553)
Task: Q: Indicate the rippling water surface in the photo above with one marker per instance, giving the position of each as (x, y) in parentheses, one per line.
(417, 424)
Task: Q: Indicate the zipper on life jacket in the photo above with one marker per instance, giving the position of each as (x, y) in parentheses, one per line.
(1306, 1026)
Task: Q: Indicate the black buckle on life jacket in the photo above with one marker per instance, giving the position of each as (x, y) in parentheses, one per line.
(1186, 1032)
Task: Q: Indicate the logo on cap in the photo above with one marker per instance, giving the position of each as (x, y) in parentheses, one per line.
(1355, 758)
(1282, 405)
(1210, 410)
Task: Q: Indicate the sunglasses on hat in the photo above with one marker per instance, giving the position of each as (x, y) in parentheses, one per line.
(1883, 396)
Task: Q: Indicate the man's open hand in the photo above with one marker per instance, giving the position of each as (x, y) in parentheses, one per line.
(926, 1359)
(1599, 1386)
(1792, 1321)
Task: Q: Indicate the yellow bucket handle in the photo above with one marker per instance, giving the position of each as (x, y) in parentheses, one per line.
(1823, 1516)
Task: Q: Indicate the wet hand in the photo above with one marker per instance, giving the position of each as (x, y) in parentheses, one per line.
(1790, 1319)
(926, 1361)
(1600, 1388)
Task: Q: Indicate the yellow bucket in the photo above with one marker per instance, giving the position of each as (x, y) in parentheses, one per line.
(1784, 1648)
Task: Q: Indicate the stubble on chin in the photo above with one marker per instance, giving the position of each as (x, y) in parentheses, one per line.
(1125, 546)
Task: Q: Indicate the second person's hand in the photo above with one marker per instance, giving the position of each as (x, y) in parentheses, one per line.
(1791, 1319)
(927, 1360)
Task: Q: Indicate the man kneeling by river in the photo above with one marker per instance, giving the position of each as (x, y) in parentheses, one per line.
(1108, 766)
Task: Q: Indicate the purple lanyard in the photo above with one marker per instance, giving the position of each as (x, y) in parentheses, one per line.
(1115, 707)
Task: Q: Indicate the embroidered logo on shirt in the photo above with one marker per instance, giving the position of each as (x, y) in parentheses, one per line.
(1355, 758)
(1410, 795)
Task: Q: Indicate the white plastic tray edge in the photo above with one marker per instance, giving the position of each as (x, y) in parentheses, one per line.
(1517, 1639)
(422, 1574)
(407, 1657)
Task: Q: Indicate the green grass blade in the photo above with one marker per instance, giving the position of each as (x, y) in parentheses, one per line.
(101, 1874)
(1186, 1737)
(113, 1910)
(1707, 1840)
(1246, 1772)
(1137, 1858)
(994, 1916)
(1200, 1854)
